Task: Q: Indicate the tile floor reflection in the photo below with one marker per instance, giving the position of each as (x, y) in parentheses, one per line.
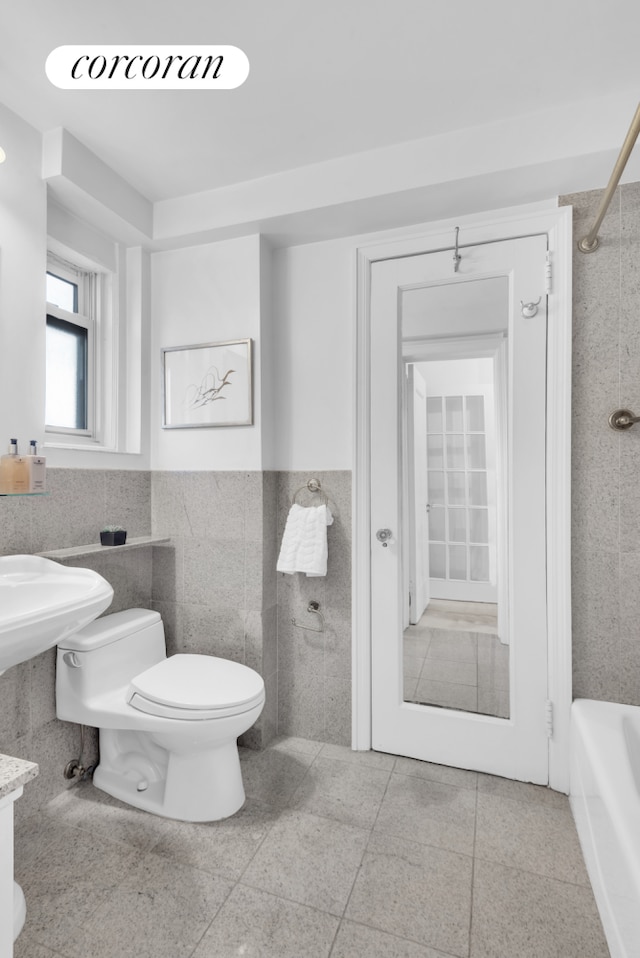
(453, 658)
(335, 853)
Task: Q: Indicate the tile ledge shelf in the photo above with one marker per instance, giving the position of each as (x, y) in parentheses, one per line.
(76, 551)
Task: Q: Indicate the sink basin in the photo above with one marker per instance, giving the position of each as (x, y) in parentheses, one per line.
(42, 602)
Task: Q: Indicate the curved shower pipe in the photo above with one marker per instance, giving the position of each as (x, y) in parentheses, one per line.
(590, 242)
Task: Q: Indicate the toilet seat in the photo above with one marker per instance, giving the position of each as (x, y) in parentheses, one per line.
(195, 688)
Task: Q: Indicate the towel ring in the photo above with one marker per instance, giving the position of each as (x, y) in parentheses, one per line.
(314, 609)
(313, 486)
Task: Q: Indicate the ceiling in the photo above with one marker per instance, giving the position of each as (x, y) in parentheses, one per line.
(326, 80)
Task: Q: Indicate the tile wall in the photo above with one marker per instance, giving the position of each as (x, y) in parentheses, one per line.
(80, 502)
(217, 589)
(606, 464)
(214, 584)
(314, 669)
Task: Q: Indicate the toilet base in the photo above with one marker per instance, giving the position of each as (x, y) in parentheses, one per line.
(19, 910)
(196, 786)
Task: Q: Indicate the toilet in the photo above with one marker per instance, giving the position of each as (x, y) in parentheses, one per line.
(168, 726)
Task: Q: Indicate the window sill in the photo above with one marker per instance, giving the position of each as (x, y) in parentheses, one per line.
(84, 447)
(95, 547)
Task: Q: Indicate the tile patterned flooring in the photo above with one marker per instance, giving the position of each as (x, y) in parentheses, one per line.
(453, 658)
(335, 853)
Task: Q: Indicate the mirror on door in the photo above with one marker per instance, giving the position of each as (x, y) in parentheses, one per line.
(455, 466)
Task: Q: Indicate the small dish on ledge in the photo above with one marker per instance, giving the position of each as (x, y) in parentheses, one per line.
(113, 536)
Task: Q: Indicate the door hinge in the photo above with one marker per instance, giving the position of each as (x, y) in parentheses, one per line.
(548, 275)
(548, 717)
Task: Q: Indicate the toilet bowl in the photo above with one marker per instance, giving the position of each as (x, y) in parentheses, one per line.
(168, 726)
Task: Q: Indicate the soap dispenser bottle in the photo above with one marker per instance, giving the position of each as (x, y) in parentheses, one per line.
(6, 468)
(36, 466)
(14, 471)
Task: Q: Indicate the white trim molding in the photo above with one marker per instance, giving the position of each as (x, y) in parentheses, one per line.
(556, 223)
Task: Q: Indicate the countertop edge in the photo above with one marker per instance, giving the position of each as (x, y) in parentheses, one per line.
(15, 772)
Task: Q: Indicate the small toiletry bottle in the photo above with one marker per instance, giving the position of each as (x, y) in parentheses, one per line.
(20, 473)
(37, 466)
(6, 468)
(14, 471)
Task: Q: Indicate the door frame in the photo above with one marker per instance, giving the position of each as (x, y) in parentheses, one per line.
(412, 527)
(556, 223)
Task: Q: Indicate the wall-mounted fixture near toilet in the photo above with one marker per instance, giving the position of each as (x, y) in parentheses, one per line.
(168, 726)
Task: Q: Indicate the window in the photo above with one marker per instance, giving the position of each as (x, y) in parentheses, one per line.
(97, 295)
(67, 374)
(71, 361)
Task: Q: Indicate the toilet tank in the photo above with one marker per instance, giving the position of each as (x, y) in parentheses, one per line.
(106, 654)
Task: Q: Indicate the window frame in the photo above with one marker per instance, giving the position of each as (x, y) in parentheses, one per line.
(83, 364)
(90, 285)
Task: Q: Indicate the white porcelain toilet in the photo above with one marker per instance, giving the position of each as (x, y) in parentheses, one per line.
(168, 726)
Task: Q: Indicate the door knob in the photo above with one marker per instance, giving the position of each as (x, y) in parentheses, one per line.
(383, 536)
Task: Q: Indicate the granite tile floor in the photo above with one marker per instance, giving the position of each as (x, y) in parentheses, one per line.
(335, 853)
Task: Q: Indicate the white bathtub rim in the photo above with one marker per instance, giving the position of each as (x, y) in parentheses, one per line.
(605, 746)
(599, 749)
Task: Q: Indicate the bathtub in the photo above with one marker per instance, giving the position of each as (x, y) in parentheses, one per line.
(605, 800)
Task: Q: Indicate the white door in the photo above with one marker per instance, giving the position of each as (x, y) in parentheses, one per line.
(515, 747)
(418, 512)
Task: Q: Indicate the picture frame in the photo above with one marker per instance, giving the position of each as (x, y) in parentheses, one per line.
(207, 385)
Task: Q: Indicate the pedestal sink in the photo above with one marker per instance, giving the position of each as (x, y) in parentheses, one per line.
(41, 603)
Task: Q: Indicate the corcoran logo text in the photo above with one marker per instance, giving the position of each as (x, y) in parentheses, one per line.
(147, 67)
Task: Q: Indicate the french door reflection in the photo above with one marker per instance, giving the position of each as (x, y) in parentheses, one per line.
(456, 651)
(461, 549)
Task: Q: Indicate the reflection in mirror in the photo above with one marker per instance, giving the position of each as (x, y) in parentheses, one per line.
(456, 642)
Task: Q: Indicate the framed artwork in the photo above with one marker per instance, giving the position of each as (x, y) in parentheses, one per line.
(207, 385)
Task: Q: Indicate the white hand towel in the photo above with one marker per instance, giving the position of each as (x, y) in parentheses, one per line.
(304, 543)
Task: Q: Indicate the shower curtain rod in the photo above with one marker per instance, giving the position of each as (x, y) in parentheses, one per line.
(459, 246)
(590, 242)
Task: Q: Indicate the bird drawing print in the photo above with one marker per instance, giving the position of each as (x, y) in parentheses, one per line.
(210, 388)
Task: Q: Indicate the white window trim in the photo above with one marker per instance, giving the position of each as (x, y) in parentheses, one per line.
(85, 317)
(96, 312)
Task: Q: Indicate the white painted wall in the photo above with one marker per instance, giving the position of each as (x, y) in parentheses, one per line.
(314, 320)
(268, 373)
(450, 377)
(22, 283)
(205, 294)
(297, 303)
(457, 308)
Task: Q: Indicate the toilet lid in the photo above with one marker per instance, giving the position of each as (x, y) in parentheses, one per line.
(197, 682)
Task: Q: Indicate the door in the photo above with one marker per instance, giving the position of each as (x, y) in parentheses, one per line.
(419, 308)
(417, 525)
